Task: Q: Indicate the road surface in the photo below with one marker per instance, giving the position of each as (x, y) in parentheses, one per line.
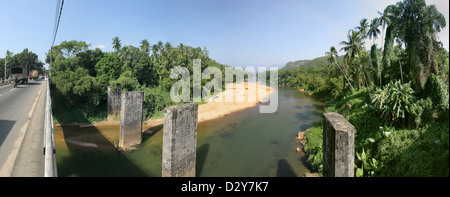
(22, 112)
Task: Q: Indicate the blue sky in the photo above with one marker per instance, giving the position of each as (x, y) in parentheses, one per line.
(236, 32)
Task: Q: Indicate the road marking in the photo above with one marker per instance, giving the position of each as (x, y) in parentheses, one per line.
(9, 164)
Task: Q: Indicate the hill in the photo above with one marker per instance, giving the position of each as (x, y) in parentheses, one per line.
(320, 61)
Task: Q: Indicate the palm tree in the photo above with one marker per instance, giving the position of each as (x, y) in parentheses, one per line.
(353, 46)
(331, 57)
(385, 18)
(125, 53)
(362, 28)
(116, 44)
(373, 30)
(167, 52)
(355, 51)
(159, 49)
(181, 53)
(145, 46)
(365, 69)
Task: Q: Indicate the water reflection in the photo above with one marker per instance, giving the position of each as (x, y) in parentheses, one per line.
(245, 143)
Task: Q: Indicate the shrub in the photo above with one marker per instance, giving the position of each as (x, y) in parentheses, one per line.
(437, 94)
(155, 100)
(394, 101)
(313, 147)
(126, 80)
(415, 153)
(422, 112)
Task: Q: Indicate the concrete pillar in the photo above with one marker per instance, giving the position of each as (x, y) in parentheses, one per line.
(131, 119)
(338, 146)
(114, 102)
(180, 140)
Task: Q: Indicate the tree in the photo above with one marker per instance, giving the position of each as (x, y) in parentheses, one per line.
(88, 59)
(365, 69)
(373, 30)
(362, 28)
(126, 80)
(353, 46)
(374, 58)
(71, 48)
(417, 27)
(383, 20)
(331, 57)
(4, 66)
(66, 50)
(390, 20)
(28, 60)
(160, 48)
(108, 68)
(116, 44)
(145, 46)
(436, 92)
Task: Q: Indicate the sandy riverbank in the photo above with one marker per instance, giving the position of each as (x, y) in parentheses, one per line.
(216, 106)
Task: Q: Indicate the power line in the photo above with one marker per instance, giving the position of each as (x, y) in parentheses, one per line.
(59, 7)
(58, 12)
(55, 21)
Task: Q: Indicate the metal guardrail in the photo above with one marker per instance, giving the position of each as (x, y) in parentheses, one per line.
(50, 169)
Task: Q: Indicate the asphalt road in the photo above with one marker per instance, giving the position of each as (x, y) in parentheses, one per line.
(22, 111)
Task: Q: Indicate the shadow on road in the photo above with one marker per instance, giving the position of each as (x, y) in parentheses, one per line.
(5, 128)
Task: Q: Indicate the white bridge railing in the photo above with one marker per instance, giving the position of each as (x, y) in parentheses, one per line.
(50, 169)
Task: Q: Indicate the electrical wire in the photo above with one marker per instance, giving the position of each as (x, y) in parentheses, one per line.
(58, 12)
(59, 7)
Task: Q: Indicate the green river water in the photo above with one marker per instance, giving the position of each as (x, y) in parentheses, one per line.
(242, 144)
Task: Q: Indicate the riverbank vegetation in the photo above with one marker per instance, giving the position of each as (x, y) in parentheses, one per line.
(396, 95)
(80, 76)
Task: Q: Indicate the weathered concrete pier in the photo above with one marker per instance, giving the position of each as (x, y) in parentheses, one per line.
(131, 119)
(338, 146)
(113, 104)
(180, 140)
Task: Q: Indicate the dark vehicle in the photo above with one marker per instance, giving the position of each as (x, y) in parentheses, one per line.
(18, 72)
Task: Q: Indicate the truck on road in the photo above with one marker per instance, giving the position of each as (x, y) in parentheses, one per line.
(33, 74)
(18, 71)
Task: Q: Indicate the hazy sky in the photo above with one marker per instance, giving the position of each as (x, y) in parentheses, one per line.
(236, 32)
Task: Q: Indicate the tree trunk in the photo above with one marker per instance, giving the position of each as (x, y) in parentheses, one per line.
(401, 72)
(344, 74)
(365, 81)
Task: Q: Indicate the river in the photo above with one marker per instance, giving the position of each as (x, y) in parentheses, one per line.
(242, 144)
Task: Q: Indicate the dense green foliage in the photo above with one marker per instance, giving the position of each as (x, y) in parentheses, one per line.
(394, 101)
(313, 148)
(80, 76)
(399, 106)
(25, 59)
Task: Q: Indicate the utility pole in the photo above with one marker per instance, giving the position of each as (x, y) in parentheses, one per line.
(50, 65)
(6, 59)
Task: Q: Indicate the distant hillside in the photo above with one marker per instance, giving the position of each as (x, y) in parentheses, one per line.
(295, 64)
(320, 61)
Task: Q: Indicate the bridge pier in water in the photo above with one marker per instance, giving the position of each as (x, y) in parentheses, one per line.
(131, 119)
(113, 104)
(338, 146)
(180, 140)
